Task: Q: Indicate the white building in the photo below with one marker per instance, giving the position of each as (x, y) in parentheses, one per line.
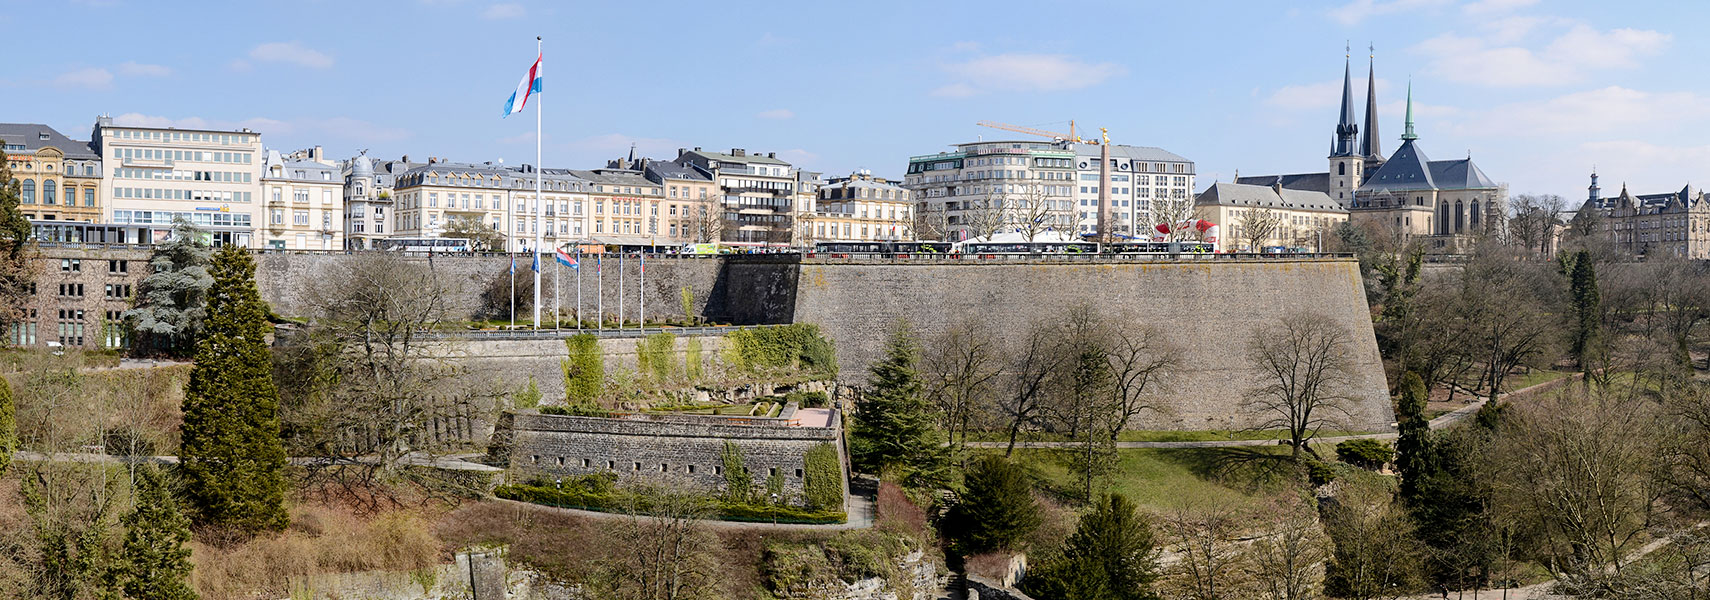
(305, 202)
(152, 175)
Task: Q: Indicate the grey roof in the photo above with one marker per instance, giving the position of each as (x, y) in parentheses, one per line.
(1237, 194)
(1310, 182)
(745, 158)
(846, 183)
(671, 170)
(511, 177)
(1459, 175)
(1407, 169)
(1124, 151)
(290, 169)
(30, 135)
(615, 177)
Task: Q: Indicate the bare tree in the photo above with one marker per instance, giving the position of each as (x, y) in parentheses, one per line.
(987, 215)
(1141, 364)
(1172, 212)
(1533, 221)
(1376, 554)
(1211, 560)
(1026, 378)
(1259, 225)
(1304, 375)
(705, 221)
(482, 238)
(664, 549)
(960, 371)
(1035, 212)
(1508, 308)
(931, 222)
(1286, 561)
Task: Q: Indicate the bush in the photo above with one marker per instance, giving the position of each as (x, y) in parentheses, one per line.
(598, 492)
(822, 482)
(584, 370)
(1365, 453)
(784, 347)
(692, 359)
(738, 484)
(808, 399)
(528, 396)
(654, 356)
(1319, 473)
(575, 410)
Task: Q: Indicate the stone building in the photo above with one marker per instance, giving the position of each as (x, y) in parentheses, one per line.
(79, 298)
(1301, 218)
(59, 179)
(859, 207)
(305, 202)
(1448, 203)
(758, 193)
(430, 197)
(1668, 224)
(153, 175)
(368, 188)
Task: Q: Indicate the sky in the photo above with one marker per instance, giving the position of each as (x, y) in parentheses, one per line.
(1538, 92)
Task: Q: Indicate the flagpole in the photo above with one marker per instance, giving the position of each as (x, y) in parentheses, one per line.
(557, 323)
(600, 291)
(539, 204)
(620, 302)
(641, 290)
(578, 287)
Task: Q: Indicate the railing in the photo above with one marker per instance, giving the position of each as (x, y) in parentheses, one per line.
(951, 258)
(551, 334)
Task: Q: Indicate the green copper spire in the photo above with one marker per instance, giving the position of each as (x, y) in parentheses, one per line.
(1409, 135)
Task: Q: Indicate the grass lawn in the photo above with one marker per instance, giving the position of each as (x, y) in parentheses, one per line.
(1164, 479)
(1532, 378)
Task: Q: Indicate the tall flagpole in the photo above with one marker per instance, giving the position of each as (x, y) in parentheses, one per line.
(539, 205)
(578, 287)
(641, 289)
(600, 291)
(620, 275)
(556, 271)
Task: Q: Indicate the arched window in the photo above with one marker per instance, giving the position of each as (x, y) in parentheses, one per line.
(29, 191)
(1475, 217)
(49, 192)
(1460, 217)
(1443, 217)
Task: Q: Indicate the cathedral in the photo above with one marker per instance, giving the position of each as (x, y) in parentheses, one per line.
(1449, 203)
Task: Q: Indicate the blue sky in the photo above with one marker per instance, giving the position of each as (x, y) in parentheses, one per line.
(1538, 91)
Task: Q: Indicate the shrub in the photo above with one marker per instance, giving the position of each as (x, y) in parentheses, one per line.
(808, 399)
(598, 492)
(528, 396)
(575, 410)
(584, 370)
(1365, 453)
(1319, 473)
(784, 347)
(687, 297)
(692, 359)
(654, 354)
(738, 484)
(822, 482)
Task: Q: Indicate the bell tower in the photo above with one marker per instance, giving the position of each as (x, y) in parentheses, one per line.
(1346, 163)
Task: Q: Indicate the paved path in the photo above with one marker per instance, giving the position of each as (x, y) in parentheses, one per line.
(1445, 420)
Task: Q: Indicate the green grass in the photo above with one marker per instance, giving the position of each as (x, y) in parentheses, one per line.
(1532, 378)
(1165, 479)
(1210, 435)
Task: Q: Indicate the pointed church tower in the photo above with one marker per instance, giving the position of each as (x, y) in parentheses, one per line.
(1346, 165)
(1370, 147)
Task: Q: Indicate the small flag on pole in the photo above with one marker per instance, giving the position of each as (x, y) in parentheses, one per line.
(565, 259)
(536, 265)
(513, 265)
(529, 86)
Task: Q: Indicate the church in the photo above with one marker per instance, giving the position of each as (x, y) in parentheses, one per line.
(1449, 203)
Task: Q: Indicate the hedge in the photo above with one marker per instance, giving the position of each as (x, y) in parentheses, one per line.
(581, 496)
(789, 346)
(822, 483)
(584, 370)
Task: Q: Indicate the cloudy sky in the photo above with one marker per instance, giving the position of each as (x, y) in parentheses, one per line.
(1539, 92)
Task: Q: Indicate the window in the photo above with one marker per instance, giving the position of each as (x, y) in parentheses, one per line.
(28, 191)
(89, 196)
(300, 218)
(71, 265)
(118, 266)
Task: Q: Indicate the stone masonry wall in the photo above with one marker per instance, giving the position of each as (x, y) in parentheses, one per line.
(556, 445)
(511, 363)
(1206, 308)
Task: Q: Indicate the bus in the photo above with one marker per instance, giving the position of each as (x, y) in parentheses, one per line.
(435, 245)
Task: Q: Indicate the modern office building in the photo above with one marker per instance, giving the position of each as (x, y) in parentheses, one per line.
(1127, 181)
(153, 175)
(59, 179)
(758, 193)
(984, 187)
(305, 202)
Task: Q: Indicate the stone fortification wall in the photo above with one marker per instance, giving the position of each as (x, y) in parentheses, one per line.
(1206, 308)
(684, 449)
(284, 278)
(512, 362)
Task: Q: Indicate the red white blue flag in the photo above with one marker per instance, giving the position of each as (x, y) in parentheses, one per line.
(565, 259)
(529, 86)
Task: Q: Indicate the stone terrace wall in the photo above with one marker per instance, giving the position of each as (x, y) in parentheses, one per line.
(511, 363)
(688, 449)
(285, 276)
(1207, 308)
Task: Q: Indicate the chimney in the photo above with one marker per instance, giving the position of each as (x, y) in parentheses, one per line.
(404, 159)
(697, 148)
(771, 155)
(738, 152)
(682, 151)
(317, 154)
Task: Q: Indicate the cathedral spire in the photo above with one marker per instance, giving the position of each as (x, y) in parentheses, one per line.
(1346, 130)
(1409, 135)
(1369, 145)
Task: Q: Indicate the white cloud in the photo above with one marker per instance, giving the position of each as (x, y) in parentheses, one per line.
(1565, 59)
(777, 113)
(1025, 73)
(1323, 94)
(1490, 7)
(291, 52)
(506, 10)
(1612, 109)
(1354, 12)
(136, 69)
(93, 78)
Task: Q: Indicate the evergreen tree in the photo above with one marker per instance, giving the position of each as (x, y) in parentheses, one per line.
(154, 562)
(1111, 555)
(996, 511)
(894, 425)
(1413, 445)
(172, 300)
(233, 459)
(8, 425)
(1587, 309)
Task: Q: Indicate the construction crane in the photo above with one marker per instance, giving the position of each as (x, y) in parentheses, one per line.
(1069, 137)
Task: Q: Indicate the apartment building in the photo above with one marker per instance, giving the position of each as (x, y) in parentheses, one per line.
(1121, 183)
(626, 208)
(305, 202)
(859, 207)
(983, 188)
(368, 189)
(153, 175)
(693, 210)
(757, 193)
(59, 179)
(439, 195)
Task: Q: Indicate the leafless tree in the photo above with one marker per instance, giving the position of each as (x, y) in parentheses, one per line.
(961, 370)
(1376, 555)
(1533, 222)
(1211, 560)
(1257, 226)
(1305, 371)
(482, 238)
(664, 550)
(1172, 211)
(1689, 451)
(986, 215)
(1287, 560)
(931, 222)
(1035, 212)
(705, 221)
(1026, 378)
(1508, 308)
(1142, 363)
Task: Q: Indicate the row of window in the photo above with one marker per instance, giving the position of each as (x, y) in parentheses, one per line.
(171, 156)
(178, 194)
(50, 193)
(611, 465)
(183, 136)
(181, 175)
(166, 217)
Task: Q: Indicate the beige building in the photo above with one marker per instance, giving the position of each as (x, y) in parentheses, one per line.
(627, 208)
(1280, 216)
(59, 179)
(430, 198)
(693, 213)
(758, 193)
(859, 207)
(368, 188)
(1640, 226)
(153, 175)
(304, 202)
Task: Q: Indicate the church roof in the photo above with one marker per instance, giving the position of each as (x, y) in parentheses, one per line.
(1459, 175)
(1407, 169)
(1310, 182)
(1238, 194)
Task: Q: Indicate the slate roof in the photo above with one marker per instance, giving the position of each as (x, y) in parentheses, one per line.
(1310, 182)
(29, 135)
(629, 178)
(746, 158)
(1124, 151)
(1244, 195)
(289, 169)
(1407, 169)
(671, 170)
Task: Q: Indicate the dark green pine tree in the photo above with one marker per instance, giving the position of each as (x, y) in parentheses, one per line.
(154, 562)
(996, 510)
(8, 426)
(1112, 554)
(233, 459)
(894, 426)
(1413, 445)
(1587, 309)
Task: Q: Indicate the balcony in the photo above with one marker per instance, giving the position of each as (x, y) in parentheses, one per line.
(758, 190)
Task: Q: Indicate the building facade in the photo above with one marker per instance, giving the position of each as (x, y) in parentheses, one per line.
(59, 179)
(627, 208)
(859, 207)
(997, 186)
(368, 189)
(438, 198)
(153, 175)
(1254, 217)
(694, 212)
(1648, 225)
(1118, 183)
(757, 192)
(305, 202)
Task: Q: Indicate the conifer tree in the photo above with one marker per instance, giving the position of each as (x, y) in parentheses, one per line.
(154, 562)
(172, 300)
(894, 425)
(996, 510)
(1112, 555)
(8, 426)
(17, 270)
(1413, 445)
(233, 459)
(1587, 309)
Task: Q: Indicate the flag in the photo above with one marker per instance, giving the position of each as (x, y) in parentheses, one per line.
(529, 86)
(513, 264)
(536, 265)
(565, 259)
(597, 263)
(642, 268)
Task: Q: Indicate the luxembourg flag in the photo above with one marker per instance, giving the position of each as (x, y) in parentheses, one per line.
(565, 259)
(529, 86)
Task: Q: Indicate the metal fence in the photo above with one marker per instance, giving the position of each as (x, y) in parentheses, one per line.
(550, 334)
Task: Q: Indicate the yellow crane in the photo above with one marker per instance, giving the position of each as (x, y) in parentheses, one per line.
(1068, 137)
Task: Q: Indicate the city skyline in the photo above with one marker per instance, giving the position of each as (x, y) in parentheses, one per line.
(1539, 93)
